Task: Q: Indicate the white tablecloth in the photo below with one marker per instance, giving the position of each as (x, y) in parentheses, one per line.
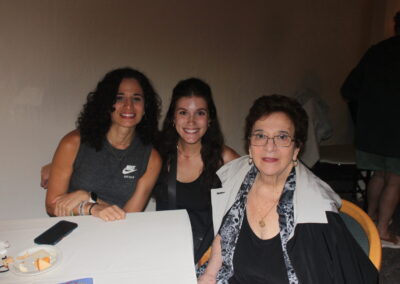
(145, 248)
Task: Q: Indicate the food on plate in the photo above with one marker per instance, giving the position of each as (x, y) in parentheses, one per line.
(7, 261)
(26, 255)
(37, 261)
(42, 263)
(22, 267)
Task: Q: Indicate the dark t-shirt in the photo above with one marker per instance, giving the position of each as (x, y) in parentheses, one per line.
(374, 84)
(110, 172)
(258, 261)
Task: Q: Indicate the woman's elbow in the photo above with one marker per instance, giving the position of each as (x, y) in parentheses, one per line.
(50, 206)
(50, 210)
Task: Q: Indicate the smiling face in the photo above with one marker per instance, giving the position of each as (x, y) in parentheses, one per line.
(191, 119)
(271, 160)
(129, 104)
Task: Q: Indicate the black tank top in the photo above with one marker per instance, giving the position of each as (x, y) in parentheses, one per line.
(110, 172)
(196, 199)
(258, 261)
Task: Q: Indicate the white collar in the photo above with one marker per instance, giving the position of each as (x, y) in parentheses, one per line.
(312, 197)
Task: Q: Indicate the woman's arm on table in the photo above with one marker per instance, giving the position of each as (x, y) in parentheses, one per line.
(228, 154)
(113, 212)
(58, 201)
(145, 184)
(214, 264)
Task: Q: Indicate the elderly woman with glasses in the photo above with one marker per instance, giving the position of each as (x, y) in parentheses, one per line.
(276, 221)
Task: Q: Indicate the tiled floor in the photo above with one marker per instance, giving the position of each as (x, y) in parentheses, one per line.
(390, 271)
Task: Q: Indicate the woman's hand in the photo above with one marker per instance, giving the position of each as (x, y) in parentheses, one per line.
(108, 212)
(65, 204)
(206, 279)
(45, 175)
(214, 264)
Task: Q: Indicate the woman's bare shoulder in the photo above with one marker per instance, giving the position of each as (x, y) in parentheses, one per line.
(155, 157)
(71, 140)
(228, 154)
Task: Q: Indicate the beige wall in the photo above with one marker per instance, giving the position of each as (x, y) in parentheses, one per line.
(52, 53)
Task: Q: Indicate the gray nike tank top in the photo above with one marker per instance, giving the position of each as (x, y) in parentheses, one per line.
(110, 172)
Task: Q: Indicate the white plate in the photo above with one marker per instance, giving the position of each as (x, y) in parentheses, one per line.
(55, 258)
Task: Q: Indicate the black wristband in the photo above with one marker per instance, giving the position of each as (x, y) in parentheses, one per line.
(91, 206)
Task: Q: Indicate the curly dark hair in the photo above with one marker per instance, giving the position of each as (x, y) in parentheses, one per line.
(212, 142)
(267, 105)
(94, 120)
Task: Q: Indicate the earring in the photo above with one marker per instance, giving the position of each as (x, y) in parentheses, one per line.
(250, 161)
(295, 162)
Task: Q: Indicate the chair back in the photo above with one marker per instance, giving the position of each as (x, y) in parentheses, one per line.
(363, 230)
(205, 257)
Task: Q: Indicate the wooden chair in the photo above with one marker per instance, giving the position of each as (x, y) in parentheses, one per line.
(364, 231)
(205, 257)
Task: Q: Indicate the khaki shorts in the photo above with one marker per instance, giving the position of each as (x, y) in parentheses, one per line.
(369, 161)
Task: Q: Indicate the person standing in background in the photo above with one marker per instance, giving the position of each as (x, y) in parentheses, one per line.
(374, 87)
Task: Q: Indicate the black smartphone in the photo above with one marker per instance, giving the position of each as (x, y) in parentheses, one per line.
(55, 233)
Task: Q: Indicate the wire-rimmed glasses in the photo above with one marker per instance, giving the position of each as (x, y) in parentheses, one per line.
(280, 140)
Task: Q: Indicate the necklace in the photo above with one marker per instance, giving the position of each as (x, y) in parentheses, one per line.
(261, 222)
(180, 152)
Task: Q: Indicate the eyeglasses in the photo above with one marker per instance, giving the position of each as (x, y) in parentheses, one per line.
(281, 140)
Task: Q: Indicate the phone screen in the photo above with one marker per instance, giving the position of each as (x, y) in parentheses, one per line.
(55, 233)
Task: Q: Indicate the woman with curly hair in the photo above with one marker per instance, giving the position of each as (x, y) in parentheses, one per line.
(107, 166)
(192, 148)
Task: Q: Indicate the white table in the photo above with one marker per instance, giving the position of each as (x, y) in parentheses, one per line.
(145, 248)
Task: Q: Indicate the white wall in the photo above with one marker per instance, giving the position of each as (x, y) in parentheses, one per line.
(53, 52)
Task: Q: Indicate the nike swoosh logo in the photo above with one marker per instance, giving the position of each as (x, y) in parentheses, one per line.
(221, 192)
(129, 169)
